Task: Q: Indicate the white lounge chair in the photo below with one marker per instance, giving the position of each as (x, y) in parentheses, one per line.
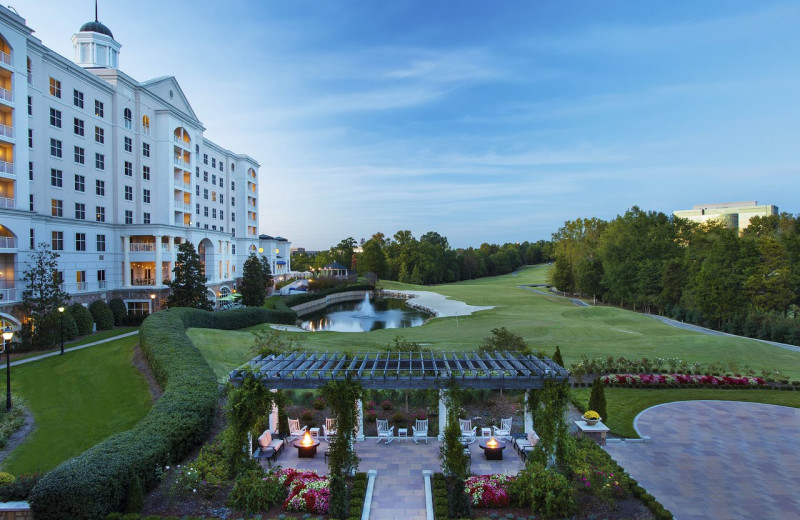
(468, 432)
(504, 430)
(420, 430)
(295, 431)
(384, 431)
(329, 429)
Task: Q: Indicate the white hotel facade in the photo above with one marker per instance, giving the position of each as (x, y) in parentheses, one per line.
(114, 174)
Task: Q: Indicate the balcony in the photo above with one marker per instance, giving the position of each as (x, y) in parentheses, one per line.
(8, 295)
(5, 58)
(7, 131)
(8, 242)
(164, 246)
(183, 206)
(146, 247)
(83, 286)
(181, 163)
(6, 95)
(30, 78)
(7, 203)
(101, 284)
(7, 167)
(183, 186)
(181, 142)
(143, 281)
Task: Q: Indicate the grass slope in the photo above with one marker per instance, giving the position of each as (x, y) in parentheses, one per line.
(77, 400)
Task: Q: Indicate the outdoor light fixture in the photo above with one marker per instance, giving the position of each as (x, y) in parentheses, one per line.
(61, 319)
(7, 335)
(260, 249)
(152, 296)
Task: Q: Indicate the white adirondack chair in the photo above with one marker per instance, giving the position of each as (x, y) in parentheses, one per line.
(329, 429)
(468, 432)
(504, 430)
(384, 431)
(420, 430)
(295, 431)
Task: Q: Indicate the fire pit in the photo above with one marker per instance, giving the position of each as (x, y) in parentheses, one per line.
(306, 447)
(493, 449)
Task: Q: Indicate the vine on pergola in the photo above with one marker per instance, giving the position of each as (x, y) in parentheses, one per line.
(247, 404)
(548, 407)
(341, 396)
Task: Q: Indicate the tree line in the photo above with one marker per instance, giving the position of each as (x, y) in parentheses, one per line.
(744, 283)
(427, 260)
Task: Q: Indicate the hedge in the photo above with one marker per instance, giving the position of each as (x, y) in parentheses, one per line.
(94, 484)
(117, 307)
(102, 315)
(297, 299)
(83, 318)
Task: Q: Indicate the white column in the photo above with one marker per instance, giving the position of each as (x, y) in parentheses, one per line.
(126, 261)
(159, 267)
(360, 415)
(273, 416)
(528, 416)
(172, 254)
(442, 415)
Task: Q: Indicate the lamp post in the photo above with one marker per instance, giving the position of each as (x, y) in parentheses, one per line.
(152, 302)
(61, 314)
(7, 335)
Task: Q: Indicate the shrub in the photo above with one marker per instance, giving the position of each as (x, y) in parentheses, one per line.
(544, 490)
(204, 475)
(6, 479)
(387, 405)
(119, 310)
(83, 319)
(339, 505)
(399, 419)
(135, 496)
(19, 489)
(307, 415)
(102, 315)
(597, 399)
(253, 492)
(319, 403)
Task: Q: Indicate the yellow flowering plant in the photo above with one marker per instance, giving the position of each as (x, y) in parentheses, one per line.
(591, 414)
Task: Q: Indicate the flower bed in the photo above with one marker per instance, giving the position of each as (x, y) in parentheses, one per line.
(681, 379)
(307, 491)
(489, 490)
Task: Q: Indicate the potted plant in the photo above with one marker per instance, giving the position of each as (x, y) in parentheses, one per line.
(591, 417)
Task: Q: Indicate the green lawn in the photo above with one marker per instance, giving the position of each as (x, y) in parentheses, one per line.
(624, 404)
(77, 400)
(91, 338)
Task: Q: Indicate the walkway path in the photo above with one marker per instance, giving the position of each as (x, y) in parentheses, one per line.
(70, 349)
(717, 459)
(711, 332)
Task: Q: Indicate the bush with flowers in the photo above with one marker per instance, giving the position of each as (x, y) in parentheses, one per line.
(489, 490)
(591, 415)
(681, 379)
(307, 491)
(204, 476)
(601, 483)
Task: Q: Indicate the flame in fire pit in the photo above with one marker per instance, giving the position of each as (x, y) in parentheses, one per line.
(492, 443)
(307, 440)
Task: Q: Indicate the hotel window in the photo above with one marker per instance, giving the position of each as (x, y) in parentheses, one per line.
(233, 185)
(146, 196)
(55, 87)
(80, 211)
(30, 137)
(138, 308)
(55, 118)
(197, 209)
(128, 169)
(214, 180)
(101, 279)
(213, 196)
(233, 217)
(146, 149)
(233, 234)
(98, 108)
(205, 211)
(128, 117)
(146, 125)
(30, 106)
(197, 190)
(197, 172)
(221, 215)
(55, 147)
(213, 163)
(100, 188)
(220, 166)
(128, 144)
(221, 198)
(56, 208)
(205, 193)
(213, 226)
(77, 126)
(56, 178)
(233, 167)
(80, 242)
(128, 216)
(146, 218)
(80, 155)
(146, 173)
(100, 214)
(30, 170)
(205, 158)
(101, 243)
(32, 237)
(128, 192)
(100, 161)
(80, 183)
(57, 240)
(80, 277)
(213, 212)
(233, 201)
(99, 135)
(77, 98)
(30, 202)
(205, 176)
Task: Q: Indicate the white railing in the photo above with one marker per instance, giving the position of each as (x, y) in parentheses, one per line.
(83, 286)
(183, 206)
(7, 131)
(62, 287)
(142, 247)
(5, 57)
(101, 284)
(8, 242)
(6, 94)
(165, 247)
(183, 186)
(183, 164)
(6, 203)
(7, 167)
(181, 141)
(7, 295)
(144, 281)
(30, 78)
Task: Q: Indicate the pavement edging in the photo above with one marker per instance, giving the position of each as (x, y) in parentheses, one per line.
(371, 476)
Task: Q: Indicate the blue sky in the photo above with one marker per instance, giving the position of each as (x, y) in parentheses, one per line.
(484, 121)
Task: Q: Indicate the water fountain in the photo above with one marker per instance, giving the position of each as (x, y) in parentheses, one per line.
(364, 316)
(365, 310)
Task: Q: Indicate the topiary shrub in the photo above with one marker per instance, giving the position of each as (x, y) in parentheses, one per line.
(117, 307)
(102, 315)
(597, 399)
(83, 319)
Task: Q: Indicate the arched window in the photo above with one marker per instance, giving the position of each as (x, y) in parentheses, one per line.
(146, 125)
(30, 72)
(128, 118)
(233, 167)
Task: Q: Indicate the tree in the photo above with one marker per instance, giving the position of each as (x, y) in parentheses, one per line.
(252, 286)
(43, 293)
(504, 339)
(372, 259)
(266, 273)
(189, 284)
(557, 357)
(597, 399)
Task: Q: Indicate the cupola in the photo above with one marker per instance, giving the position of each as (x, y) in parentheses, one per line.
(95, 46)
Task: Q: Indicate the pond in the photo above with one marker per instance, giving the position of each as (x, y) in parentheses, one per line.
(364, 316)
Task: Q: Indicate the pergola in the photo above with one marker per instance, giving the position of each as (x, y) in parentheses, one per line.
(403, 370)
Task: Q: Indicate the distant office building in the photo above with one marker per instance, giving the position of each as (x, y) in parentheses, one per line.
(735, 215)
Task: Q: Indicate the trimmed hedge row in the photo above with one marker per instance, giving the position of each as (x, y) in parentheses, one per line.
(95, 483)
(297, 299)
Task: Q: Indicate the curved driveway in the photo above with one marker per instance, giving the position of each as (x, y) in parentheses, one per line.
(718, 459)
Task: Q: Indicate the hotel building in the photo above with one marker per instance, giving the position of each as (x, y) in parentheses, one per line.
(735, 215)
(114, 174)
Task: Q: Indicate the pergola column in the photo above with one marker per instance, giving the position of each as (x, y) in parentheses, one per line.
(172, 254)
(442, 415)
(273, 416)
(528, 422)
(360, 415)
(126, 261)
(159, 270)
